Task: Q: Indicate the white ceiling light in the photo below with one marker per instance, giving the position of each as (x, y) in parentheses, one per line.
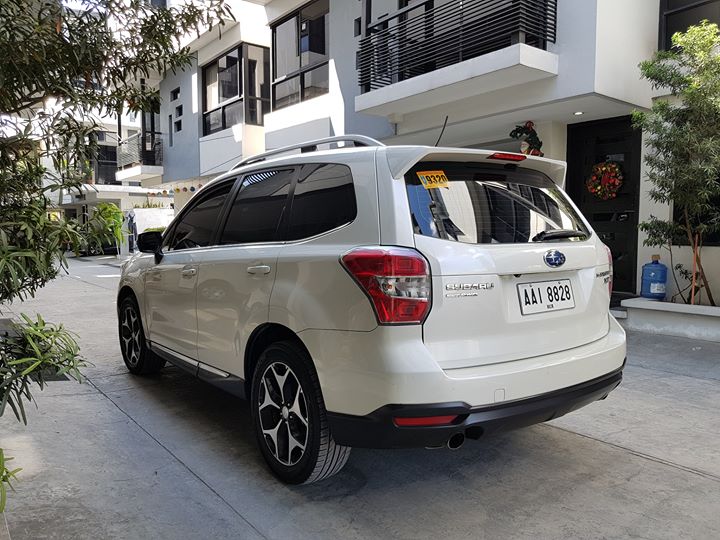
(579, 113)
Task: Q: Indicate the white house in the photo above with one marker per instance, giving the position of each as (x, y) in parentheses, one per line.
(464, 72)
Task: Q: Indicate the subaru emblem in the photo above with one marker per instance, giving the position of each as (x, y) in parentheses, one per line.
(554, 258)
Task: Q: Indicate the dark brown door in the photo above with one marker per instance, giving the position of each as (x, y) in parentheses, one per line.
(614, 220)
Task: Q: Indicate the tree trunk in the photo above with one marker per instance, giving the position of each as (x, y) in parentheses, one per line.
(696, 256)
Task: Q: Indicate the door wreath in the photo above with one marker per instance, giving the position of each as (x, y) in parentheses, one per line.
(605, 180)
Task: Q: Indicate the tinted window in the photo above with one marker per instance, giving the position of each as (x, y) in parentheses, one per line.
(482, 204)
(256, 212)
(324, 199)
(196, 227)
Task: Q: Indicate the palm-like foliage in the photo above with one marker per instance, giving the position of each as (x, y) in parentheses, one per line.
(62, 70)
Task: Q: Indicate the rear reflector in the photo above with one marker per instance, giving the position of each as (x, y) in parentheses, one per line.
(425, 421)
(397, 281)
(610, 263)
(507, 156)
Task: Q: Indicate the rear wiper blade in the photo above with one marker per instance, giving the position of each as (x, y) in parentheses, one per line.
(544, 236)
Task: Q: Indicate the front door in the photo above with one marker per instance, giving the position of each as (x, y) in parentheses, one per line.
(615, 220)
(171, 284)
(170, 290)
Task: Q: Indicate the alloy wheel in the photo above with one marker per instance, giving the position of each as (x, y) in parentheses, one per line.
(283, 414)
(130, 335)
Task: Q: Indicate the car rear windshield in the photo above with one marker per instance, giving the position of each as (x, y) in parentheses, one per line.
(486, 204)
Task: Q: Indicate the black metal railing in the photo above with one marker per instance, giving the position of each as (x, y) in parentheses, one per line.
(138, 150)
(403, 45)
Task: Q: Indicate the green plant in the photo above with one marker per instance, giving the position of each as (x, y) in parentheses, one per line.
(69, 66)
(683, 135)
(32, 351)
(104, 227)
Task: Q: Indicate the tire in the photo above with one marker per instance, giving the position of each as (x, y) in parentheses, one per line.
(286, 419)
(137, 357)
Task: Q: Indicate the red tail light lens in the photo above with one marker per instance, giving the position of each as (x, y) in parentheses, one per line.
(424, 421)
(397, 281)
(507, 156)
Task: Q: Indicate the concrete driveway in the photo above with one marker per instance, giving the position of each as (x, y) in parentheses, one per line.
(171, 457)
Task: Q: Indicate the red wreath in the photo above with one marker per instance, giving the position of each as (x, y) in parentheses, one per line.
(605, 180)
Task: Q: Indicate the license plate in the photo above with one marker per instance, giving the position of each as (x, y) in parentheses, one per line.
(545, 296)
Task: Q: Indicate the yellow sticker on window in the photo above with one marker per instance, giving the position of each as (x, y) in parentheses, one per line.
(433, 179)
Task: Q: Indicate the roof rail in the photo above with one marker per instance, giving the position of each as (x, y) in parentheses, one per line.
(310, 146)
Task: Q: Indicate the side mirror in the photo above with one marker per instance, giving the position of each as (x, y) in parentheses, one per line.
(149, 242)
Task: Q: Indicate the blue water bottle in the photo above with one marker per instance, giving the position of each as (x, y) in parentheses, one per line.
(654, 279)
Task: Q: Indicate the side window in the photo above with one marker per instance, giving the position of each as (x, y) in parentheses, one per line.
(324, 199)
(258, 207)
(197, 225)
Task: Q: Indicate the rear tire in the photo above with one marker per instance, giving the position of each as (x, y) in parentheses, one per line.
(290, 419)
(138, 358)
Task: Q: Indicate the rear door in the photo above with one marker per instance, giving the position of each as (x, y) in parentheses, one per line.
(502, 289)
(236, 278)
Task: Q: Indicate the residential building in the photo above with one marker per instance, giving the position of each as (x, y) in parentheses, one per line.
(453, 72)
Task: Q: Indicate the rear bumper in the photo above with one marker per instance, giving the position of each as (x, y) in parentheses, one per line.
(378, 430)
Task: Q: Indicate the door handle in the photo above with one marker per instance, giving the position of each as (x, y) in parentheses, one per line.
(261, 269)
(189, 272)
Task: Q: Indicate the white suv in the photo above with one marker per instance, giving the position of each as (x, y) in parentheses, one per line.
(381, 297)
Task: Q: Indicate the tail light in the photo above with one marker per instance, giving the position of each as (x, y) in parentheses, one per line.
(397, 281)
(610, 264)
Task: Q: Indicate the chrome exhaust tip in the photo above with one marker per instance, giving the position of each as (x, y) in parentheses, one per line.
(456, 441)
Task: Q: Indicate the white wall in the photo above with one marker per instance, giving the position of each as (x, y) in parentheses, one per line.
(627, 33)
(333, 113)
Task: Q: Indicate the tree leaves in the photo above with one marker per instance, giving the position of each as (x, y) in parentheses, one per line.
(61, 71)
(683, 135)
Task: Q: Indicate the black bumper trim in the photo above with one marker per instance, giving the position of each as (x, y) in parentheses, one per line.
(377, 429)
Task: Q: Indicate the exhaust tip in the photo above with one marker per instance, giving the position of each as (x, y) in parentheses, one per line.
(456, 441)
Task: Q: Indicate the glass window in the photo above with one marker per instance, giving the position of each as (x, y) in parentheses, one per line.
(229, 75)
(255, 214)
(300, 44)
(285, 48)
(314, 33)
(210, 76)
(222, 79)
(233, 113)
(488, 205)
(316, 82)
(324, 199)
(286, 93)
(685, 16)
(258, 72)
(197, 225)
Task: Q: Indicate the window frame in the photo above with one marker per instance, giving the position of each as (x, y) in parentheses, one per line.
(500, 169)
(201, 197)
(243, 96)
(665, 12)
(314, 166)
(282, 223)
(302, 70)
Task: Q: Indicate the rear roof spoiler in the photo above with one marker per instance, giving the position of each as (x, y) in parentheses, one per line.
(401, 159)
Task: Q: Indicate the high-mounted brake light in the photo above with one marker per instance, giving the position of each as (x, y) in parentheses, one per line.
(424, 421)
(506, 156)
(397, 281)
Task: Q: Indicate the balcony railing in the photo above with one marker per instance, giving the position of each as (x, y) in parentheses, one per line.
(402, 45)
(138, 150)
